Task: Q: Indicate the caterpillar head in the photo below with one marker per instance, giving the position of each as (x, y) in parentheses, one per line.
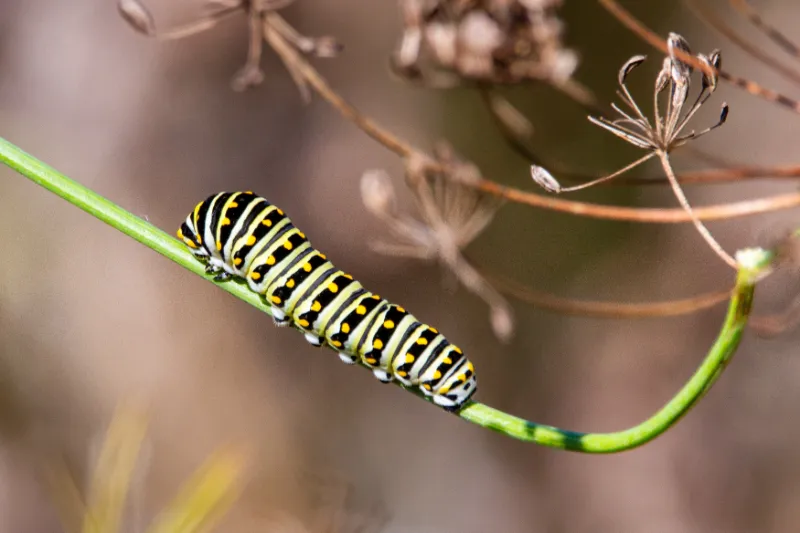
(189, 236)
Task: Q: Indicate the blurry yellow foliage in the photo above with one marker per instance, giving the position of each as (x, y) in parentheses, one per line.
(200, 503)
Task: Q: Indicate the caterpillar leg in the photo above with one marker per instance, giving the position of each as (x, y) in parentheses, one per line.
(347, 359)
(279, 317)
(382, 375)
(314, 339)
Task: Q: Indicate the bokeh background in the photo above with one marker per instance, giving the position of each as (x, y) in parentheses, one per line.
(89, 318)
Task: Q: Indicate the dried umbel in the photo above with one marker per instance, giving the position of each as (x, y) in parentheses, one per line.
(665, 132)
(452, 215)
(495, 41)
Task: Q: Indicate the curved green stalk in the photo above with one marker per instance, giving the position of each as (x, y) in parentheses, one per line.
(752, 264)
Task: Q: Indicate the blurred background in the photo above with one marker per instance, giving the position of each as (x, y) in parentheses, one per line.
(89, 318)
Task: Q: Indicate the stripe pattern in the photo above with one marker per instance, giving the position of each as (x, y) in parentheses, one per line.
(241, 235)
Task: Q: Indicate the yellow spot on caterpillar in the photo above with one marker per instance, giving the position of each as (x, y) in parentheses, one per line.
(280, 212)
(337, 344)
(348, 276)
(388, 324)
(470, 367)
(307, 267)
(255, 275)
(301, 234)
(433, 330)
(361, 310)
(333, 287)
(323, 257)
(251, 240)
(276, 300)
(462, 377)
(288, 245)
(248, 192)
(378, 344)
(375, 297)
(219, 246)
(410, 358)
(402, 373)
(233, 204)
(447, 361)
(290, 284)
(401, 309)
(180, 234)
(226, 221)
(426, 386)
(267, 222)
(345, 328)
(371, 360)
(316, 306)
(422, 341)
(271, 260)
(457, 350)
(199, 240)
(190, 244)
(437, 375)
(444, 390)
(237, 261)
(303, 322)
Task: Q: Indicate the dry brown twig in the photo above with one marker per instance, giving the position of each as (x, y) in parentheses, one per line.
(778, 37)
(650, 37)
(715, 21)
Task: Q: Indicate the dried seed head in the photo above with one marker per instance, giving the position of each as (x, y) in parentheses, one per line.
(664, 76)
(628, 67)
(681, 71)
(451, 215)
(544, 179)
(723, 114)
(714, 62)
(135, 14)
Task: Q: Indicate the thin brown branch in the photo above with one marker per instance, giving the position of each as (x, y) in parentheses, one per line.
(291, 57)
(635, 214)
(650, 37)
(608, 309)
(773, 33)
(709, 17)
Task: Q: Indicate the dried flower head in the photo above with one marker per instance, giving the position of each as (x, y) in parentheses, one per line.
(496, 41)
(264, 23)
(665, 132)
(452, 215)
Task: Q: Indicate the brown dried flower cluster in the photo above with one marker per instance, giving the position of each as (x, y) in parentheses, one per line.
(452, 215)
(496, 41)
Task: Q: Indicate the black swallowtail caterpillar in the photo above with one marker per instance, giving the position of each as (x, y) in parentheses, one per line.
(239, 234)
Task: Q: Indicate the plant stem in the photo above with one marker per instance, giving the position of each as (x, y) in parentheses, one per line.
(701, 228)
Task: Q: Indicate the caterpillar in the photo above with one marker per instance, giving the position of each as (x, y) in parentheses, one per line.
(241, 235)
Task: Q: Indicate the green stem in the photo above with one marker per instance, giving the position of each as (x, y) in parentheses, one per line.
(752, 264)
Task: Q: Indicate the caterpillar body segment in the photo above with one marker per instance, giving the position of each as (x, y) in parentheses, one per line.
(239, 234)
